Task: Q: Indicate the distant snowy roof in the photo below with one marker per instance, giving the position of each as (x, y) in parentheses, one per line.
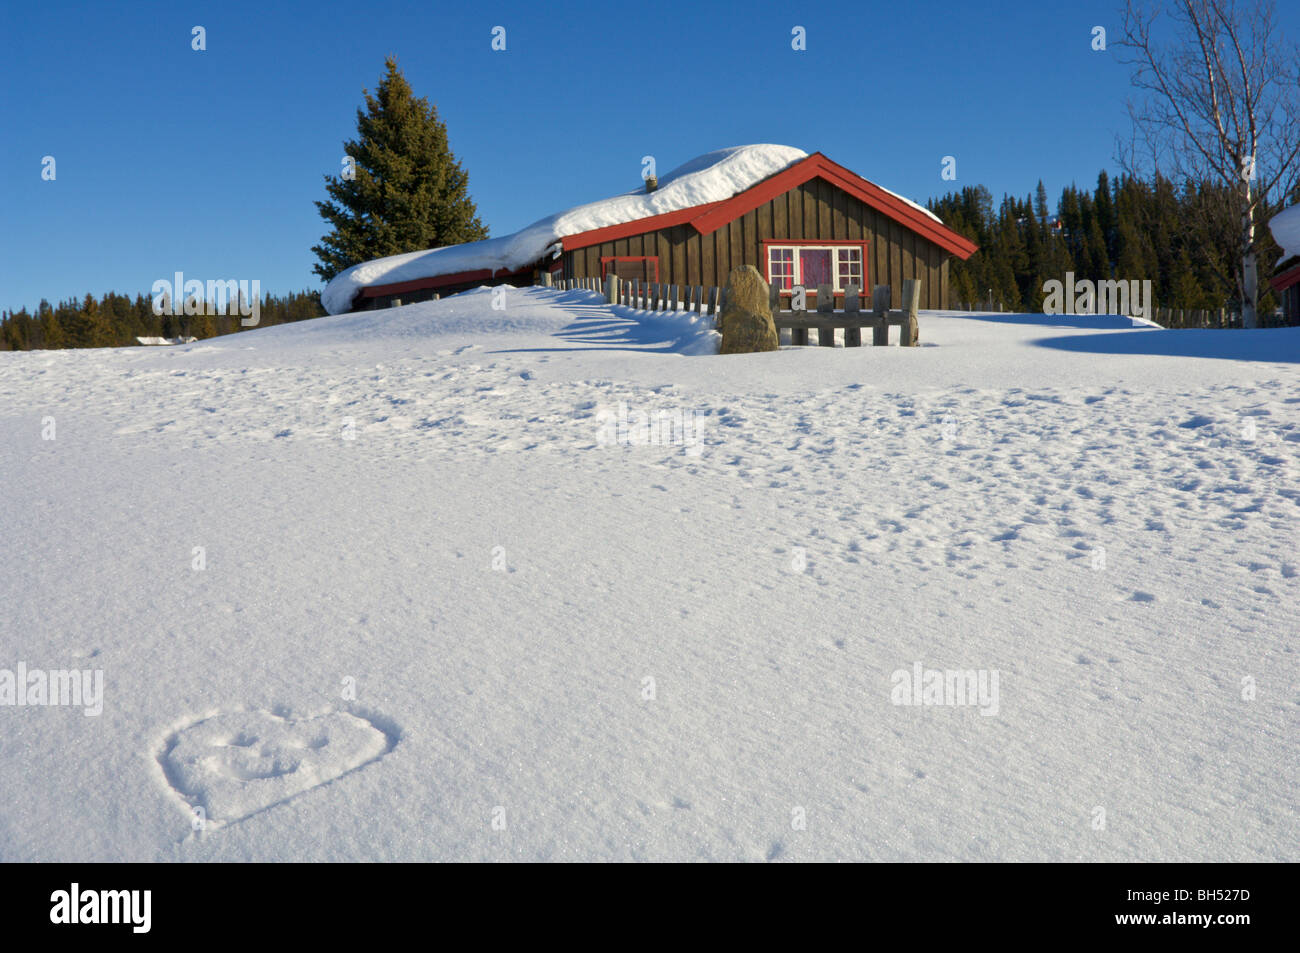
(712, 177)
(1285, 226)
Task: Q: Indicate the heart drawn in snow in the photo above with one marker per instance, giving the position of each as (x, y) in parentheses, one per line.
(235, 764)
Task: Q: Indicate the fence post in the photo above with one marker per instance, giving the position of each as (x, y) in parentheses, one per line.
(611, 288)
(911, 333)
(852, 335)
(774, 305)
(798, 336)
(825, 306)
(672, 298)
(880, 295)
(546, 279)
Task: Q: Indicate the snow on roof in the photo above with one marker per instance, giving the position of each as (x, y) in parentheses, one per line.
(712, 177)
(1285, 226)
(709, 178)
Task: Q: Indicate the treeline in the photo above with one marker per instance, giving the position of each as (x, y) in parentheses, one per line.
(1179, 238)
(116, 320)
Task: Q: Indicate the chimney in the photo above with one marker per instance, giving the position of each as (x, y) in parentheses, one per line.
(651, 183)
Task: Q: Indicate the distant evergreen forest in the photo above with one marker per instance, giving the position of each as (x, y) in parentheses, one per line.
(115, 320)
(1180, 238)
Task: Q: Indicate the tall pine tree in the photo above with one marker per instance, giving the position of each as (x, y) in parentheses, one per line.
(408, 193)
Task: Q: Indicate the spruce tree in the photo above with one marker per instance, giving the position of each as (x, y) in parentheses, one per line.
(1040, 204)
(1106, 218)
(52, 336)
(409, 191)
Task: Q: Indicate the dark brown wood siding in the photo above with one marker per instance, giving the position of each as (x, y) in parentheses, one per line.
(813, 211)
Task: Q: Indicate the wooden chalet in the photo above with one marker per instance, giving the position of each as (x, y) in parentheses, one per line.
(813, 222)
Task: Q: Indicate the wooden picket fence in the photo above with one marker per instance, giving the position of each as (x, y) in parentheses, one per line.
(824, 320)
(852, 320)
(647, 296)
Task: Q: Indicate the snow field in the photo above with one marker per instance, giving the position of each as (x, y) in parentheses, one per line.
(420, 500)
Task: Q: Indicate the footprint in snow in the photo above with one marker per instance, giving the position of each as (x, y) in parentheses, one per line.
(236, 764)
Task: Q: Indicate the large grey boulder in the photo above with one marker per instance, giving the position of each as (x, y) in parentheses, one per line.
(746, 319)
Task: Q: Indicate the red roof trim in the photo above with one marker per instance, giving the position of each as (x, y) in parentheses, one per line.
(817, 165)
(415, 284)
(638, 227)
(1285, 279)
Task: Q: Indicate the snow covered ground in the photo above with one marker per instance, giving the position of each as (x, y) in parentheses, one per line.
(396, 586)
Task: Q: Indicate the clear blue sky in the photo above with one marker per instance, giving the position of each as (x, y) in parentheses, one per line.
(208, 162)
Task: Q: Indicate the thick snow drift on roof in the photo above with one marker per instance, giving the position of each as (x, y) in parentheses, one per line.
(708, 178)
(1285, 226)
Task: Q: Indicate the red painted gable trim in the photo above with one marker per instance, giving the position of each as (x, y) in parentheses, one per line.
(818, 166)
(1285, 279)
(712, 216)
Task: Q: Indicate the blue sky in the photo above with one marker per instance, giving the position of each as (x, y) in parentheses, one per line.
(208, 162)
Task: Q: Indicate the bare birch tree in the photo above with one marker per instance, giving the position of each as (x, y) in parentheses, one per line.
(1218, 105)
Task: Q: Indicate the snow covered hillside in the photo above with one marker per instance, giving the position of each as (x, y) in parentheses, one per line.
(417, 584)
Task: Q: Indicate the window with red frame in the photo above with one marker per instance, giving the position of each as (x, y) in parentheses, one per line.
(811, 265)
